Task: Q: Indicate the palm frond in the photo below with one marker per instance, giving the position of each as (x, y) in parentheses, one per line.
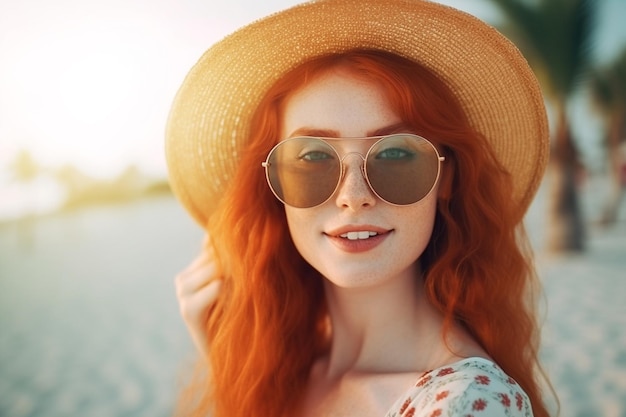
(555, 36)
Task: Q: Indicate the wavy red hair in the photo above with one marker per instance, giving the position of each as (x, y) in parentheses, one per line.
(270, 324)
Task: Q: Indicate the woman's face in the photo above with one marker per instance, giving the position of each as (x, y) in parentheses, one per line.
(354, 239)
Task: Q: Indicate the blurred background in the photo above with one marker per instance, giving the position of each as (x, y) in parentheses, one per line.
(91, 237)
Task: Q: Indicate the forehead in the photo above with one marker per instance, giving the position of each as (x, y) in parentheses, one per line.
(337, 102)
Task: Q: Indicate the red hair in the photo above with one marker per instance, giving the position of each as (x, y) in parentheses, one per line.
(269, 324)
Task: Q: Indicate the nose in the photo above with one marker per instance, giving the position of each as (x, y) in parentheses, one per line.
(354, 192)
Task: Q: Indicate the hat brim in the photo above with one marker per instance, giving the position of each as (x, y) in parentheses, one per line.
(210, 116)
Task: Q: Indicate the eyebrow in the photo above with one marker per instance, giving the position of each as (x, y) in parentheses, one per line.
(400, 127)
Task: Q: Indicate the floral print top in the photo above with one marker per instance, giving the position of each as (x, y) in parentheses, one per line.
(472, 387)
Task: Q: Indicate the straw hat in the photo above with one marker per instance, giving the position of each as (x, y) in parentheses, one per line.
(209, 120)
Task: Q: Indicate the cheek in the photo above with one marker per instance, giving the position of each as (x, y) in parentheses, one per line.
(300, 223)
(429, 215)
(419, 222)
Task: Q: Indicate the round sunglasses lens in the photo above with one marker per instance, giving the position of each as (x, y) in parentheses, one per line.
(303, 172)
(402, 169)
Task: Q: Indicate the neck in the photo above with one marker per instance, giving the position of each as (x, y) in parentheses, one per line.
(390, 327)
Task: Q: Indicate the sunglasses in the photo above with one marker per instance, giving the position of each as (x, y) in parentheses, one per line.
(305, 172)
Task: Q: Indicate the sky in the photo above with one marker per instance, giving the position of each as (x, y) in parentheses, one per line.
(90, 82)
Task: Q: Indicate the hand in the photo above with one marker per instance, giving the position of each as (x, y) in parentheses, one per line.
(197, 288)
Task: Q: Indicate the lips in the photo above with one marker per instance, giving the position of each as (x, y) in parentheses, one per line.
(358, 238)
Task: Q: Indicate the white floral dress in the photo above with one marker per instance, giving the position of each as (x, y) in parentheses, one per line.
(472, 387)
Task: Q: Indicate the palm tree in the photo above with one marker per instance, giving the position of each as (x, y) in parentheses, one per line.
(555, 36)
(608, 94)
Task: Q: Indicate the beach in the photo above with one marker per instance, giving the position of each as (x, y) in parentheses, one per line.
(90, 326)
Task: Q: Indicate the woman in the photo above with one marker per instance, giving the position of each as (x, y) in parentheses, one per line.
(362, 169)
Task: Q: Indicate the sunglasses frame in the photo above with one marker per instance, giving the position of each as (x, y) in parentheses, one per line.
(342, 170)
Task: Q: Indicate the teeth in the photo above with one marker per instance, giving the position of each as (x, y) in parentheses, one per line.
(358, 235)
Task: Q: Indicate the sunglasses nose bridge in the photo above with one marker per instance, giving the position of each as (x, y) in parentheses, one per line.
(344, 166)
(361, 164)
(361, 157)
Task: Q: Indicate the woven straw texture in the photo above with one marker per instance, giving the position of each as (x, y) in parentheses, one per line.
(209, 121)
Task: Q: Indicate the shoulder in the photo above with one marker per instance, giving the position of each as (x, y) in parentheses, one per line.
(472, 387)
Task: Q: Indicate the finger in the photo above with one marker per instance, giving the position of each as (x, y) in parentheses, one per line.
(188, 282)
(195, 308)
(198, 273)
(208, 294)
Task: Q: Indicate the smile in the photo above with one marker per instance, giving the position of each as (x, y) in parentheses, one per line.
(358, 241)
(358, 235)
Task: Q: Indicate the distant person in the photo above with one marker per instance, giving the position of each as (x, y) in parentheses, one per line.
(361, 168)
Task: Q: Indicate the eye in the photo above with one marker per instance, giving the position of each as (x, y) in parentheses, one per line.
(395, 153)
(315, 156)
